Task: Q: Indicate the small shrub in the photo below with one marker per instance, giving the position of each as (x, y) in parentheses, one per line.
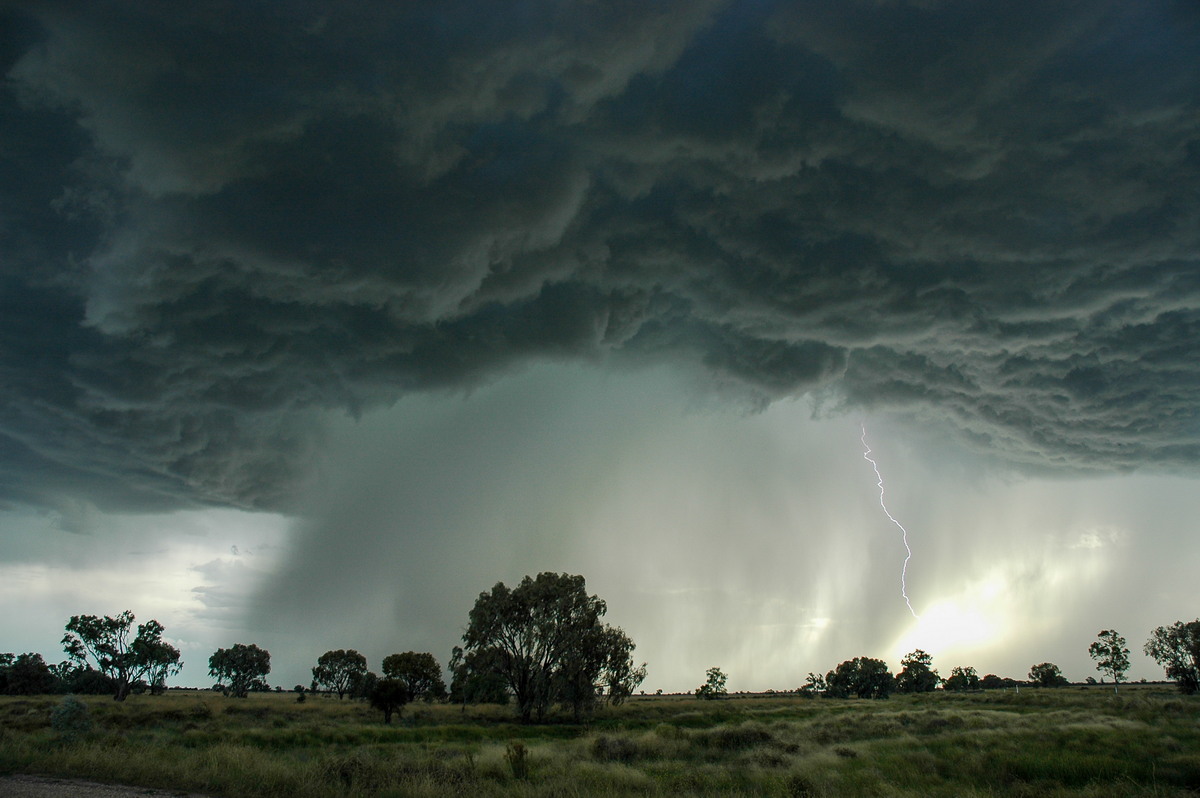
(800, 786)
(669, 731)
(615, 749)
(356, 769)
(735, 738)
(71, 719)
(517, 757)
(845, 753)
(770, 759)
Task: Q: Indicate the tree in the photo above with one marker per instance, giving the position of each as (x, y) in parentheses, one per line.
(475, 678)
(240, 669)
(598, 665)
(917, 674)
(862, 676)
(541, 638)
(1047, 674)
(339, 670)
(620, 677)
(714, 687)
(1177, 649)
(25, 674)
(813, 686)
(994, 682)
(105, 641)
(1111, 655)
(83, 681)
(389, 696)
(962, 678)
(363, 685)
(161, 659)
(421, 672)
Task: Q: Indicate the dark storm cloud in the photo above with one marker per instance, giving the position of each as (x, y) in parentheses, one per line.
(219, 221)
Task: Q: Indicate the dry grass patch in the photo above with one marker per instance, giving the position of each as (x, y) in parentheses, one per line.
(1073, 744)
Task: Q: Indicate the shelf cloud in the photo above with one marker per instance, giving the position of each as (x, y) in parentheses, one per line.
(220, 223)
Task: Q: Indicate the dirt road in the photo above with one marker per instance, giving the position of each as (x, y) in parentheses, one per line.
(47, 787)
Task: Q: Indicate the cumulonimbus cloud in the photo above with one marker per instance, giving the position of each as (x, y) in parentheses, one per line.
(219, 221)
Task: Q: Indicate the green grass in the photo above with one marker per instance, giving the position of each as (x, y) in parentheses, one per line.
(1063, 742)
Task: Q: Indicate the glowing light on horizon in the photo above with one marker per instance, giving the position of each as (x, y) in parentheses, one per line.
(903, 531)
(951, 626)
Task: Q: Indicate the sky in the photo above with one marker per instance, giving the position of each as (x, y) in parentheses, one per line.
(317, 321)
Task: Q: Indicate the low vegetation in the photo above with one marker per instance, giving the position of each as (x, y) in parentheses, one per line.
(1072, 741)
(542, 702)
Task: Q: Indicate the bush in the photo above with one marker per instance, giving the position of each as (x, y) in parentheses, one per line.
(389, 696)
(355, 770)
(736, 738)
(71, 719)
(800, 786)
(614, 749)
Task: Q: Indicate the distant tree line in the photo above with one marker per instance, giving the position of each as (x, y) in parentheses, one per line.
(538, 645)
(104, 656)
(1175, 647)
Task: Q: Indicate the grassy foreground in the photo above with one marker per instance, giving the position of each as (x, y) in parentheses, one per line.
(1062, 742)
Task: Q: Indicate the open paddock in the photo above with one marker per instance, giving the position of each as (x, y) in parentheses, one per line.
(1071, 741)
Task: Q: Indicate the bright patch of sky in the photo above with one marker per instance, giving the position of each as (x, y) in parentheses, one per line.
(771, 560)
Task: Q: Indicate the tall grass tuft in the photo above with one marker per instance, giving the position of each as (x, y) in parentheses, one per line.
(517, 757)
(614, 749)
(736, 738)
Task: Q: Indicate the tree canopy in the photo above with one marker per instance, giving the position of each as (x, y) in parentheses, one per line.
(1047, 674)
(1111, 655)
(339, 671)
(917, 674)
(104, 641)
(240, 669)
(714, 685)
(475, 678)
(862, 676)
(389, 696)
(544, 638)
(962, 678)
(1177, 649)
(25, 674)
(421, 672)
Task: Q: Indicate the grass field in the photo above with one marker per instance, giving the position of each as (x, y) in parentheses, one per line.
(1050, 742)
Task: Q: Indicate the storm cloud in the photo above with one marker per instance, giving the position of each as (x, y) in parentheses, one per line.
(218, 223)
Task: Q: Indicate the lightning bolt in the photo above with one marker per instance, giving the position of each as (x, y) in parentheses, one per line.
(903, 531)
